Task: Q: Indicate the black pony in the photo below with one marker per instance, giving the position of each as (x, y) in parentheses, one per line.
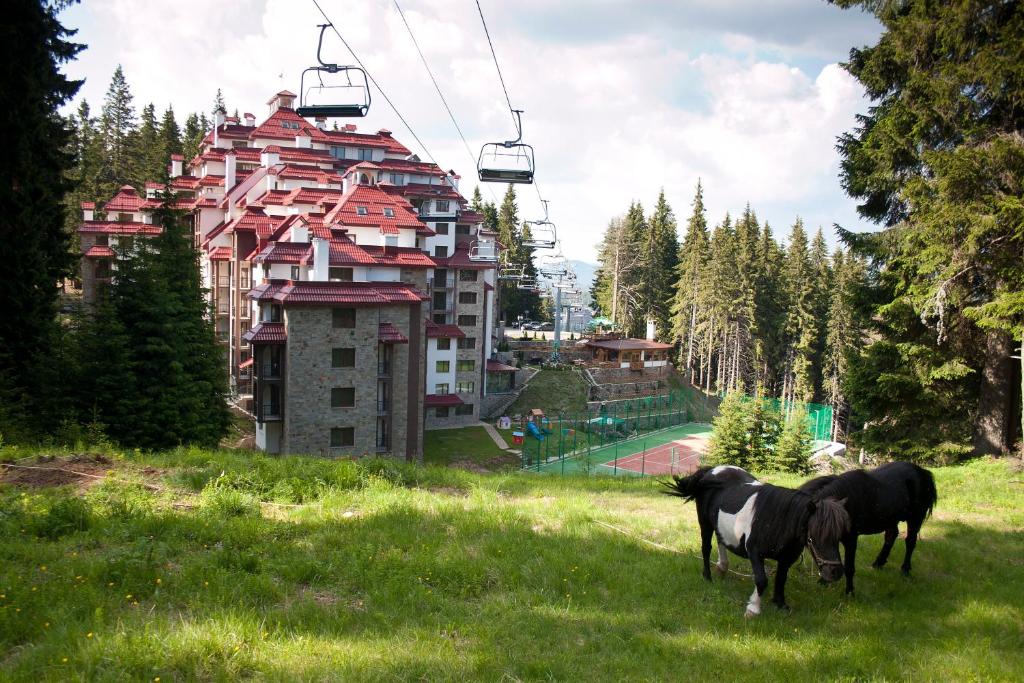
(877, 501)
(760, 521)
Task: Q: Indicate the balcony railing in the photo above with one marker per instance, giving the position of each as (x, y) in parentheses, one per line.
(383, 406)
(441, 283)
(270, 371)
(383, 368)
(271, 411)
(223, 281)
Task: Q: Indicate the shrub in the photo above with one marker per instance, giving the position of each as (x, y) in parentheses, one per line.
(229, 502)
(66, 516)
(793, 451)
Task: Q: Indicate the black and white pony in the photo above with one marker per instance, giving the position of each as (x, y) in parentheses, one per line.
(762, 522)
(877, 501)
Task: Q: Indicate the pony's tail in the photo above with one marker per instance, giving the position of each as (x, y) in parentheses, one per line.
(929, 495)
(690, 486)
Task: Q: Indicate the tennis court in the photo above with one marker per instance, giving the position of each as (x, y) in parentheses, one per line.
(676, 450)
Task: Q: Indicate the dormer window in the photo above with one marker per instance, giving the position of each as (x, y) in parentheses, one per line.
(362, 211)
(389, 212)
(442, 205)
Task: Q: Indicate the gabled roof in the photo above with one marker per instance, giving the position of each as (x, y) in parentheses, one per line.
(267, 333)
(299, 172)
(254, 219)
(627, 344)
(306, 293)
(389, 334)
(100, 251)
(345, 252)
(374, 200)
(437, 331)
(119, 228)
(404, 257)
(498, 366)
(126, 199)
(293, 253)
(220, 254)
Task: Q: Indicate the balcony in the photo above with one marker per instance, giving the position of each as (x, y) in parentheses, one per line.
(383, 406)
(383, 368)
(270, 411)
(438, 284)
(223, 281)
(270, 371)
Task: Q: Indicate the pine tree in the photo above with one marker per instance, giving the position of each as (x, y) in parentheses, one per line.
(793, 451)
(192, 137)
(771, 314)
(634, 283)
(117, 128)
(86, 147)
(843, 338)
(800, 324)
(477, 203)
(170, 136)
(692, 262)
(218, 104)
(662, 259)
(821, 288)
(614, 289)
(33, 181)
(147, 156)
(938, 162)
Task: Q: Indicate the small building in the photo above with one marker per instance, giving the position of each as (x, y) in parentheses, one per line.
(501, 378)
(634, 354)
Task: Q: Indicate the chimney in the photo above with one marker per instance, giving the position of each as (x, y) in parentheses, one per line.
(218, 121)
(384, 133)
(300, 233)
(282, 100)
(250, 119)
(321, 259)
(177, 164)
(230, 170)
(270, 156)
(88, 210)
(303, 141)
(321, 122)
(650, 330)
(349, 128)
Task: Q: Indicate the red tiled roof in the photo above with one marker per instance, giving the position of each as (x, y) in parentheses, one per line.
(389, 334)
(345, 252)
(283, 252)
(442, 400)
(498, 366)
(435, 330)
(255, 219)
(100, 251)
(212, 180)
(220, 254)
(116, 227)
(627, 344)
(267, 333)
(350, 139)
(404, 257)
(460, 259)
(315, 173)
(272, 128)
(304, 292)
(375, 200)
(88, 205)
(470, 216)
(126, 199)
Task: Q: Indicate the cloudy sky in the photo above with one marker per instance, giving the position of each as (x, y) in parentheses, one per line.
(621, 98)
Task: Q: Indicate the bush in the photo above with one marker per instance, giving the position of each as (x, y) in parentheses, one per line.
(229, 502)
(750, 435)
(66, 516)
(793, 450)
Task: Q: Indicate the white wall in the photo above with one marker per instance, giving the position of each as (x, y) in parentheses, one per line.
(433, 355)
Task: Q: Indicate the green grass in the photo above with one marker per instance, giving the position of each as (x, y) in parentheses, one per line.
(470, 446)
(392, 572)
(591, 462)
(554, 392)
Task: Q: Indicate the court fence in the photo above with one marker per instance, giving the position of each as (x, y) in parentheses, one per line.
(567, 436)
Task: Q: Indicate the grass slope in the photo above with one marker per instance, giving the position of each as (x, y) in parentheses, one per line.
(554, 392)
(373, 571)
(470, 447)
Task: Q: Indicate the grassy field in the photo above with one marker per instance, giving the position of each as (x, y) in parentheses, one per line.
(554, 392)
(192, 565)
(467, 447)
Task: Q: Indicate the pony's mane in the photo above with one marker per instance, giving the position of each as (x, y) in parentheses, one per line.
(688, 487)
(782, 513)
(829, 521)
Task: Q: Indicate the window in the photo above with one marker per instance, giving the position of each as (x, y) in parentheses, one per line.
(343, 436)
(103, 240)
(338, 274)
(443, 366)
(245, 278)
(441, 389)
(441, 228)
(440, 318)
(295, 272)
(467, 320)
(389, 212)
(467, 297)
(365, 154)
(465, 387)
(343, 357)
(467, 276)
(397, 179)
(465, 409)
(124, 218)
(444, 344)
(338, 152)
(465, 366)
(362, 210)
(441, 251)
(271, 313)
(391, 241)
(461, 229)
(440, 301)
(441, 411)
(343, 397)
(344, 318)
(442, 205)
(467, 343)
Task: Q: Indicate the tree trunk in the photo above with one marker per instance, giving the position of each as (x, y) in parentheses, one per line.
(689, 345)
(995, 400)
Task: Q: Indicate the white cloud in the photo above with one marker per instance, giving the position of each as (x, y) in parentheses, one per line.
(612, 120)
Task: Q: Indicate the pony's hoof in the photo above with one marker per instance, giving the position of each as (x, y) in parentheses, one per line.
(750, 614)
(877, 565)
(785, 609)
(905, 572)
(719, 572)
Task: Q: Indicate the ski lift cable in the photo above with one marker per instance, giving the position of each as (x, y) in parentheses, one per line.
(501, 78)
(437, 87)
(376, 85)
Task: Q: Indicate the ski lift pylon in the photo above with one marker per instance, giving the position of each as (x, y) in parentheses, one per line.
(358, 102)
(507, 162)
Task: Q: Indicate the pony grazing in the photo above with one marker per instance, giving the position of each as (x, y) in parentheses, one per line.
(877, 501)
(762, 522)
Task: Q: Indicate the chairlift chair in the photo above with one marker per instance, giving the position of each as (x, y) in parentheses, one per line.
(321, 98)
(483, 250)
(529, 284)
(508, 272)
(507, 162)
(542, 232)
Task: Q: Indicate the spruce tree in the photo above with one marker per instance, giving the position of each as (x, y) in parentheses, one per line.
(692, 259)
(33, 180)
(477, 203)
(771, 313)
(192, 137)
(170, 136)
(218, 104)
(938, 162)
(662, 259)
(821, 288)
(635, 283)
(148, 154)
(800, 326)
(117, 128)
(509, 235)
